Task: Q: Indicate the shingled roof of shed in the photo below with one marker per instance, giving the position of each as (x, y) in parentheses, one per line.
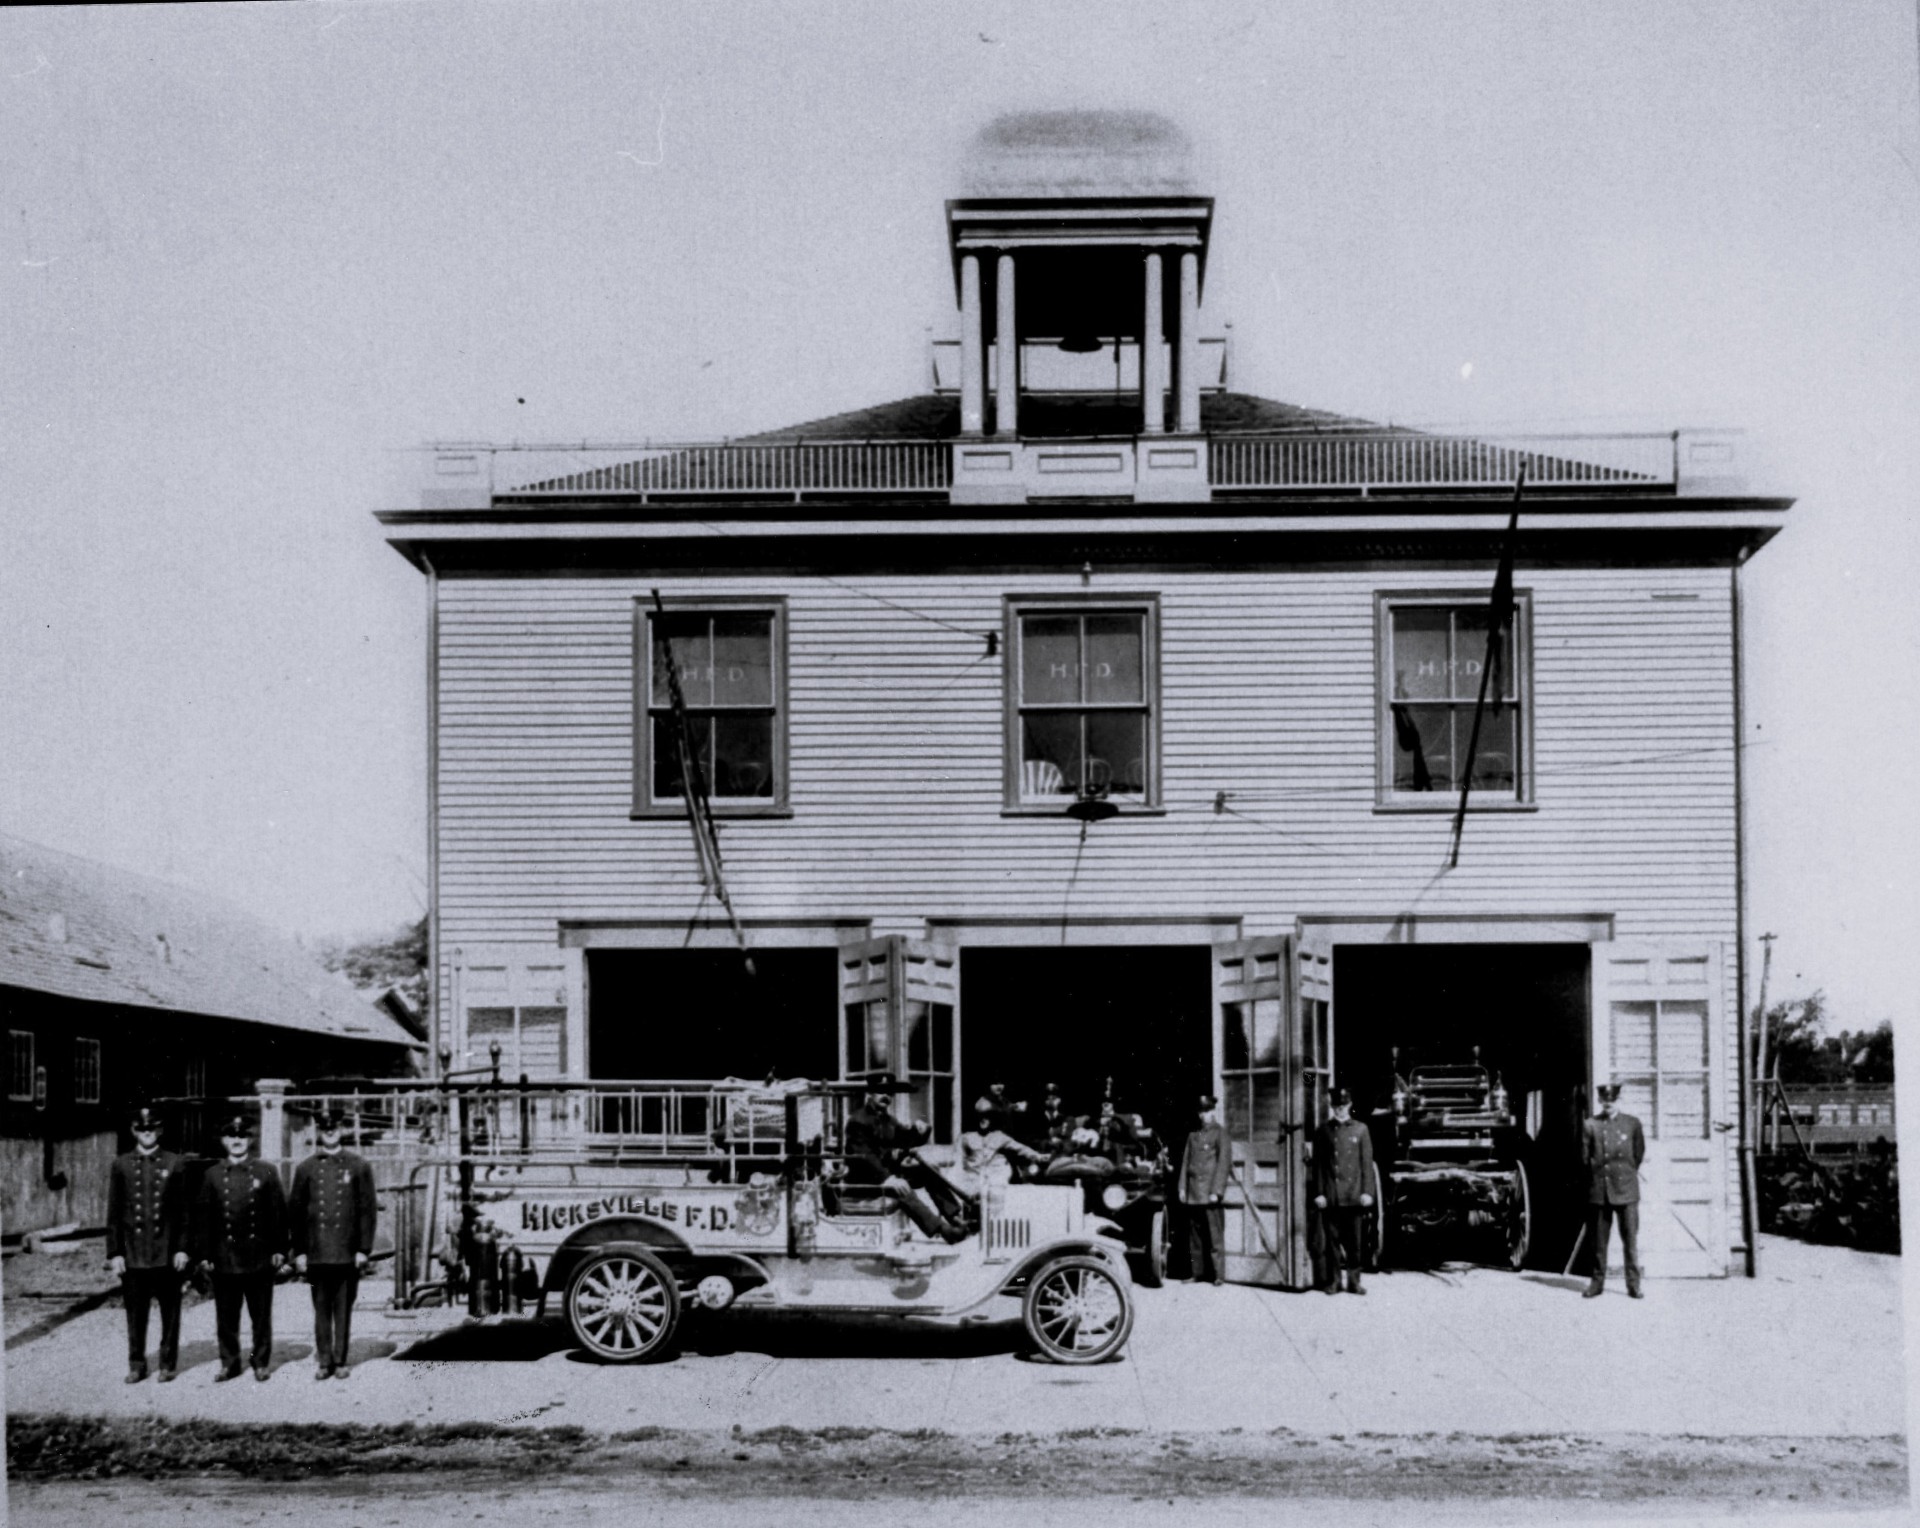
(80, 929)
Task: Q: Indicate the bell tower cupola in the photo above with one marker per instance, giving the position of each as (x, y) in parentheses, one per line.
(1079, 252)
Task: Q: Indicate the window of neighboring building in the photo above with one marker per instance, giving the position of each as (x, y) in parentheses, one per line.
(20, 1065)
(1083, 682)
(1433, 650)
(86, 1070)
(731, 661)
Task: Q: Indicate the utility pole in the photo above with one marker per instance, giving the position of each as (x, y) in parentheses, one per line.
(1749, 1173)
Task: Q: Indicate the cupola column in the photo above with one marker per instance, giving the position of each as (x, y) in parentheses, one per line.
(1188, 372)
(1153, 369)
(973, 371)
(1006, 401)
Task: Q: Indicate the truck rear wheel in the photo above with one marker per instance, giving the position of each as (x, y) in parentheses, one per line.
(1077, 1311)
(624, 1307)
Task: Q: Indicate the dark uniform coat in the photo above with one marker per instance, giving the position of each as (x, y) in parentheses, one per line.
(332, 1208)
(146, 1209)
(1204, 1165)
(1612, 1150)
(1342, 1162)
(242, 1221)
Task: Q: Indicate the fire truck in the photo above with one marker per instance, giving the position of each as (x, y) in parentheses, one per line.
(623, 1209)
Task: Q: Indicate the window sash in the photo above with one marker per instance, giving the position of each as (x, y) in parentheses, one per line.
(734, 692)
(1432, 653)
(20, 1065)
(86, 1070)
(1084, 725)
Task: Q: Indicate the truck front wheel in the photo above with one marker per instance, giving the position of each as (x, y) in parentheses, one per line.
(1077, 1311)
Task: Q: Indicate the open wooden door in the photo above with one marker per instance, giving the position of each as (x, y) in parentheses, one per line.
(1264, 1094)
(899, 999)
(1659, 1031)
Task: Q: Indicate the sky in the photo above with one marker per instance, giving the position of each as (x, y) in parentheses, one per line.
(252, 253)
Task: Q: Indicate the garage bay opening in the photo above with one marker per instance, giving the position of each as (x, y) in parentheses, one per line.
(1079, 1016)
(697, 1014)
(1465, 1034)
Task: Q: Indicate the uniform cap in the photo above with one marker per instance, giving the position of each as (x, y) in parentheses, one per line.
(328, 1119)
(1207, 1101)
(1341, 1098)
(235, 1126)
(1609, 1092)
(145, 1119)
(881, 1082)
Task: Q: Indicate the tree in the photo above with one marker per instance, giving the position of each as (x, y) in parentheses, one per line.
(396, 960)
(1799, 1049)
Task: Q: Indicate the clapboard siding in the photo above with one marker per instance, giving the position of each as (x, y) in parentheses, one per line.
(1267, 693)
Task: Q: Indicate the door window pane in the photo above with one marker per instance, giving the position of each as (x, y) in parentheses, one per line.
(1267, 1013)
(1683, 1037)
(1236, 1043)
(1633, 1037)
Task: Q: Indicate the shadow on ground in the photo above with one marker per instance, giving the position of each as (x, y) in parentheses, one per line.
(766, 1334)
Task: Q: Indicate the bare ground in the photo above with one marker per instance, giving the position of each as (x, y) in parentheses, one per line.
(69, 1469)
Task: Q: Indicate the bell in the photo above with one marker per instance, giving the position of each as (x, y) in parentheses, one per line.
(1081, 342)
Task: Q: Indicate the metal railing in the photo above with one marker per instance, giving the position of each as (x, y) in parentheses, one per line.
(1397, 459)
(1271, 461)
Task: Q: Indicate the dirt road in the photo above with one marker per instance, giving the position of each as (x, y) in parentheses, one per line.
(334, 1476)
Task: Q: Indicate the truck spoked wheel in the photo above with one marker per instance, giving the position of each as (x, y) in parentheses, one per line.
(1154, 1272)
(624, 1307)
(1519, 1218)
(1077, 1311)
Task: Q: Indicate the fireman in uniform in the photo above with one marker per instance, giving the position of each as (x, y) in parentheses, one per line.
(1205, 1163)
(242, 1236)
(880, 1151)
(1612, 1146)
(1343, 1189)
(331, 1213)
(147, 1242)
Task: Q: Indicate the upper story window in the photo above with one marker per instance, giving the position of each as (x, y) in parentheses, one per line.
(730, 658)
(1083, 713)
(1433, 650)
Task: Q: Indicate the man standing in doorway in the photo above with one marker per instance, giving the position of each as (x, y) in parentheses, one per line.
(1612, 1147)
(242, 1237)
(147, 1242)
(332, 1211)
(1343, 1189)
(1204, 1166)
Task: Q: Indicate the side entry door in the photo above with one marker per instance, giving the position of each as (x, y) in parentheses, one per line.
(1264, 1097)
(1659, 1032)
(899, 1001)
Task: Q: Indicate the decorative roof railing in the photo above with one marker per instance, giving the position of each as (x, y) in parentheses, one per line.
(1229, 465)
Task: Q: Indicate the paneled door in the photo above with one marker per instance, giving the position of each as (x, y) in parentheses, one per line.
(899, 1000)
(1659, 1032)
(1264, 1095)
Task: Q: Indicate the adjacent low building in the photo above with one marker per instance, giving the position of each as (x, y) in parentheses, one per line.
(1085, 720)
(117, 989)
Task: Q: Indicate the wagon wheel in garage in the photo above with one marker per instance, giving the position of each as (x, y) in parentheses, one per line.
(1519, 1217)
(1076, 1311)
(1373, 1225)
(624, 1307)
(1153, 1273)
